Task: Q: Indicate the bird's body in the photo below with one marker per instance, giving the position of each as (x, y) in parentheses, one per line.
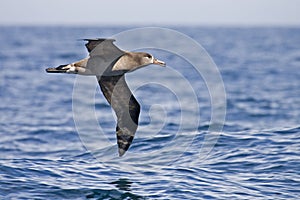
(109, 64)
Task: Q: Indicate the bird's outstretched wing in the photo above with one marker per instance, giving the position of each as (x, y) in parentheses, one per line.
(125, 106)
(103, 55)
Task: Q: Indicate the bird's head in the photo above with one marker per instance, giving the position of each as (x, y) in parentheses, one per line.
(147, 59)
(132, 61)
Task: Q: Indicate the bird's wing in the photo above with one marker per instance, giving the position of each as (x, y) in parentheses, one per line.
(125, 106)
(103, 55)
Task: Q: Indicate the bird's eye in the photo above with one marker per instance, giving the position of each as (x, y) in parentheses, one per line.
(149, 56)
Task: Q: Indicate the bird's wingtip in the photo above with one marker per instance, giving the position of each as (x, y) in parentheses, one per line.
(98, 39)
(121, 152)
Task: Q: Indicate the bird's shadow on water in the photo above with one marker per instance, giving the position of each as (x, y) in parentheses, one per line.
(122, 191)
(122, 184)
(122, 187)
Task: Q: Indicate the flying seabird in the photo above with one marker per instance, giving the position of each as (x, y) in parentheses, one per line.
(109, 64)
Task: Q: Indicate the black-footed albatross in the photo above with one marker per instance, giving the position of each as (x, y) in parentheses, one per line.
(109, 64)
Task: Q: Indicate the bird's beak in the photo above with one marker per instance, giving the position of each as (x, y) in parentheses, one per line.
(159, 62)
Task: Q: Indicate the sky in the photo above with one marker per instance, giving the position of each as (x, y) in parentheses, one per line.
(151, 12)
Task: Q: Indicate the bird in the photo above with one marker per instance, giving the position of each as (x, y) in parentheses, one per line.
(110, 64)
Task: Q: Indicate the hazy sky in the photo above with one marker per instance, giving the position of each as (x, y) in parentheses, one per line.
(150, 12)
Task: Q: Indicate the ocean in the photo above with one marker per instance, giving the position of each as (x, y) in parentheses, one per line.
(230, 130)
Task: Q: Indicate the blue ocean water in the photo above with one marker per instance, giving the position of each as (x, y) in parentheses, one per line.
(257, 155)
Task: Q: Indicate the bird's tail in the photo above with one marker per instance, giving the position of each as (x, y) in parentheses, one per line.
(79, 67)
(59, 69)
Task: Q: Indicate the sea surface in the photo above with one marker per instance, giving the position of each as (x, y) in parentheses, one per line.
(256, 155)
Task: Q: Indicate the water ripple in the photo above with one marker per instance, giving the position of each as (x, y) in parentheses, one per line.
(256, 156)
